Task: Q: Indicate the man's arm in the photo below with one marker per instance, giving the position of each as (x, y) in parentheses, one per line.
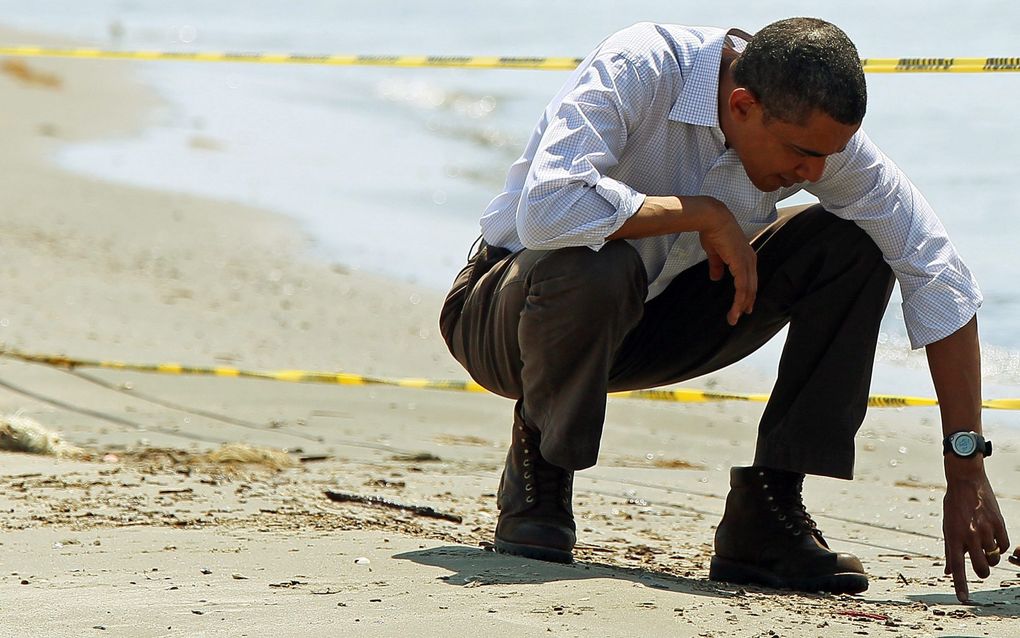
(972, 523)
(721, 237)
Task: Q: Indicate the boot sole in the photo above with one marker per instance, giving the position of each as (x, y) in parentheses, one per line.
(536, 552)
(743, 574)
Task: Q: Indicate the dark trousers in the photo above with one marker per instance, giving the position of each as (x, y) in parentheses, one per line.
(561, 328)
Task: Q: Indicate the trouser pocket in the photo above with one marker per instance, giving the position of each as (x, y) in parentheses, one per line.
(449, 317)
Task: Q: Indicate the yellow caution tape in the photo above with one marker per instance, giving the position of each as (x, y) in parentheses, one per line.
(871, 65)
(940, 65)
(465, 62)
(679, 395)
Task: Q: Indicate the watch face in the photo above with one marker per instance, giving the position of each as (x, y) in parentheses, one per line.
(964, 445)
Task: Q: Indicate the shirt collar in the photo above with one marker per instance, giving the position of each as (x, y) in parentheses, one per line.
(698, 102)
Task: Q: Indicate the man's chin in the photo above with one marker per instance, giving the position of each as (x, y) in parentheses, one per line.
(767, 185)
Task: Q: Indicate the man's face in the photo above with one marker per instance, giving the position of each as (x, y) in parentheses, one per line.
(778, 154)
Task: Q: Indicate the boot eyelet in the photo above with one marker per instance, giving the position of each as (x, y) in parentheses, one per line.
(796, 532)
(773, 509)
(527, 463)
(530, 499)
(789, 526)
(765, 486)
(527, 475)
(782, 517)
(529, 487)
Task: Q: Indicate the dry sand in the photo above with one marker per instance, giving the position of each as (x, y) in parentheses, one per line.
(159, 539)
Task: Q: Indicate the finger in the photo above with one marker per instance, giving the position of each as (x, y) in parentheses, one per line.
(752, 282)
(1015, 556)
(979, 561)
(739, 297)
(1002, 536)
(990, 548)
(993, 557)
(734, 314)
(958, 567)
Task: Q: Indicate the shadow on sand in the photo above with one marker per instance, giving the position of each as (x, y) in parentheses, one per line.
(471, 566)
(474, 566)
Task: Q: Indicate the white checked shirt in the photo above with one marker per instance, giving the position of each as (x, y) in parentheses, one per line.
(640, 116)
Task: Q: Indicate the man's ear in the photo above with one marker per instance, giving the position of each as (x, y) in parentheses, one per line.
(742, 104)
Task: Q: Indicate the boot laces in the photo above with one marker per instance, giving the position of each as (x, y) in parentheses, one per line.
(787, 503)
(553, 484)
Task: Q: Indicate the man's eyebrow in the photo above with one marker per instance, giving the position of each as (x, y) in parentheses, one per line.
(811, 153)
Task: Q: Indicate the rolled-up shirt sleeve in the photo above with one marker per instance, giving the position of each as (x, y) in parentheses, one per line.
(940, 295)
(568, 199)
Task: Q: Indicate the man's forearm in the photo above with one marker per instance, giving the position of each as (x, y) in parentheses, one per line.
(955, 364)
(667, 215)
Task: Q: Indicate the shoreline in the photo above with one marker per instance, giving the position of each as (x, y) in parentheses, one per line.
(898, 370)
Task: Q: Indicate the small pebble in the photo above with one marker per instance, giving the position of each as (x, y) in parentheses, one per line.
(206, 571)
(237, 576)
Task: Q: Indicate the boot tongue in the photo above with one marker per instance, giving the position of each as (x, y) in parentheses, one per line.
(551, 482)
(787, 488)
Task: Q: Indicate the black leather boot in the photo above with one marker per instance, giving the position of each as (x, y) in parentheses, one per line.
(766, 537)
(534, 499)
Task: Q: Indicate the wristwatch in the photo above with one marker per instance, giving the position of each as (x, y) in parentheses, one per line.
(966, 444)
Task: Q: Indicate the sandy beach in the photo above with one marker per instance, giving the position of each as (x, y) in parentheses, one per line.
(146, 533)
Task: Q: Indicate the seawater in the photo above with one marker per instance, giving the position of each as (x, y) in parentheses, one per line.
(388, 169)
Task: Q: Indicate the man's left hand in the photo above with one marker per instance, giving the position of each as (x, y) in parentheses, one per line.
(972, 524)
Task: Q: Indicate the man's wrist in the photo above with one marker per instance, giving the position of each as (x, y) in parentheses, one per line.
(959, 469)
(705, 213)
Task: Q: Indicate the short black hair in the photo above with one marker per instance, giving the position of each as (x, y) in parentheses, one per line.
(799, 65)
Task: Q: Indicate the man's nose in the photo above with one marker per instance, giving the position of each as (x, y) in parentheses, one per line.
(811, 168)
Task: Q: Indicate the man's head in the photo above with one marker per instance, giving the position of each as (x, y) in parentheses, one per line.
(801, 65)
(793, 97)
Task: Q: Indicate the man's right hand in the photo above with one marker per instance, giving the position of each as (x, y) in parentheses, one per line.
(720, 236)
(727, 247)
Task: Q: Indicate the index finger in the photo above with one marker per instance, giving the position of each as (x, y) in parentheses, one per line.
(740, 296)
(752, 281)
(958, 566)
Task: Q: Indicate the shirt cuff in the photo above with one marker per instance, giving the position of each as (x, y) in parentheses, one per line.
(941, 306)
(623, 198)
